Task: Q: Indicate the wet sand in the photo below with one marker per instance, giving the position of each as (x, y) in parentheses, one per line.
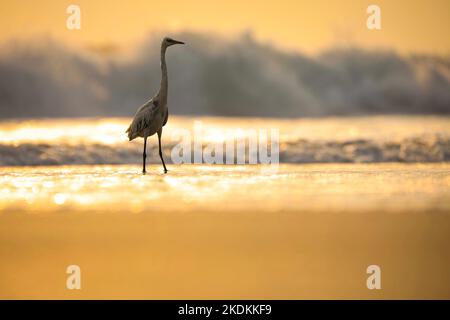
(305, 231)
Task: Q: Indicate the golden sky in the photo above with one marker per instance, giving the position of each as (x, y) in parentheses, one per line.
(309, 26)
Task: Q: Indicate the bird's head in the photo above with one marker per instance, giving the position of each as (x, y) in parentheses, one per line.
(167, 42)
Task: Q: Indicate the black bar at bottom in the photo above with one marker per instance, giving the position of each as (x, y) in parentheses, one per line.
(226, 309)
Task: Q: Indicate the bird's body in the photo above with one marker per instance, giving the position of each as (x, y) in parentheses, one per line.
(152, 116)
(149, 118)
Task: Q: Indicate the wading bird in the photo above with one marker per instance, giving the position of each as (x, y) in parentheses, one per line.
(152, 116)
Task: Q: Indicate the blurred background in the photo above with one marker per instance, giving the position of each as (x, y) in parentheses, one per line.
(364, 150)
(260, 59)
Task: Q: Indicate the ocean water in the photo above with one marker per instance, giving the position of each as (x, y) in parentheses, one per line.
(305, 231)
(387, 187)
(348, 193)
(89, 165)
(324, 140)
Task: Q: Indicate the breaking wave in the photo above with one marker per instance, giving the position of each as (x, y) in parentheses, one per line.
(366, 140)
(419, 149)
(218, 76)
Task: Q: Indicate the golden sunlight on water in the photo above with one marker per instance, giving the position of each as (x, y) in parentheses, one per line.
(304, 231)
(387, 187)
(409, 139)
(112, 130)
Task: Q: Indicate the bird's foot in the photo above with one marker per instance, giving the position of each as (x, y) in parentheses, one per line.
(165, 170)
(144, 172)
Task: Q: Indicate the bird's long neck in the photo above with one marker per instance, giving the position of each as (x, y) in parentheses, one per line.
(163, 91)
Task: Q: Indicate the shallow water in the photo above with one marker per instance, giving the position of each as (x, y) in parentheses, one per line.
(227, 231)
(331, 140)
(211, 232)
(122, 188)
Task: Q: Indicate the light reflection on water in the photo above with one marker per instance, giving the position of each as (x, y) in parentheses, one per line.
(305, 231)
(347, 139)
(338, 187)
(213, 231)
(112, 130)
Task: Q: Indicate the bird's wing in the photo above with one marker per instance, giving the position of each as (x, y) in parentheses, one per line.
(143, 118)
(166, 116)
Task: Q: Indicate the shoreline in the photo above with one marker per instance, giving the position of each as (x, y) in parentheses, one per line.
(215, 232)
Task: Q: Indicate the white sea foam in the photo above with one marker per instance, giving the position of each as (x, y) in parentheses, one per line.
(220, 77)
(347, 139)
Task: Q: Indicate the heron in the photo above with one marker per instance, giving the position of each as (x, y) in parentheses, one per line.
(152, 116)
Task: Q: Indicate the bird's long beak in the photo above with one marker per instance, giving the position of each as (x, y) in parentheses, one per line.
(178, 42)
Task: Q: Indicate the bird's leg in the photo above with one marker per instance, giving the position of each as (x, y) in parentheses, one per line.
(160, 152)
(144, 155)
